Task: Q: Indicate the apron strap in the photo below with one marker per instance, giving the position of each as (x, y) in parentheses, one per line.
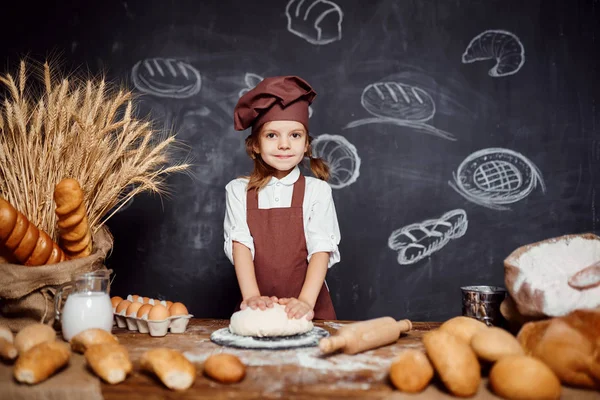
(252, 199)
(298, 194)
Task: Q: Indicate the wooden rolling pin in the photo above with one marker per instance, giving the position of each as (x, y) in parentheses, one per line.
(365, 335)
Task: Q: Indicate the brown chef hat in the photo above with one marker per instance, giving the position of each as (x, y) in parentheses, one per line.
(278, 98)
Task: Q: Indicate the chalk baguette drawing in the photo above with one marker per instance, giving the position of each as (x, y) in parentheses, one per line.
(416, 241)
(503, 46)
(318, 22)
(251, 80)
(495, 177)
(341, 156)
(166, 77)
(399, 104)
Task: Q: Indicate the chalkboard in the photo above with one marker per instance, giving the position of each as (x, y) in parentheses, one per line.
(457, 131)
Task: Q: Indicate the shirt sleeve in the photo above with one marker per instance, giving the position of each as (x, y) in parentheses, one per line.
(322, 230)
(235, 226)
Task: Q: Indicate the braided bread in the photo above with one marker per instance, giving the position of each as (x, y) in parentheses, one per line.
(74, 230)
(28, 244)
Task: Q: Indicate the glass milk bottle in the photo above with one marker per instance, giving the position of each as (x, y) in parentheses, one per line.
(87, 306)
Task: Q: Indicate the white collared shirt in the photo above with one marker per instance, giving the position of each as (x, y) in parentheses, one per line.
(321, 227)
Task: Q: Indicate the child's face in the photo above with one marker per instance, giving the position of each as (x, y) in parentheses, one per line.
(282, 145)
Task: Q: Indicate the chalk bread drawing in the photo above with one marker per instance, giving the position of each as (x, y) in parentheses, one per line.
(318, 22)
(416, 241)
(399, 104)
(503, 46)
(166, 77)
(252, 80)
(341, 156)
(495, 177)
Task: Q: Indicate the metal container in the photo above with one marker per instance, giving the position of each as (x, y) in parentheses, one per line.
(483, 304)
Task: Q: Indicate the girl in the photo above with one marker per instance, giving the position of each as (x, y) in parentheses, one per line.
(281, 229)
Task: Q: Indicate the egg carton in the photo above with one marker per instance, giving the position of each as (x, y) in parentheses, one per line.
(175, 324)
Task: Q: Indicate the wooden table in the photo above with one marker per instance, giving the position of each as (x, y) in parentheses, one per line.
(287, 374)
(274, 374)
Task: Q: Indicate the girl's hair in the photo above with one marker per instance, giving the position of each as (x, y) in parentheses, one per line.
(262, 172)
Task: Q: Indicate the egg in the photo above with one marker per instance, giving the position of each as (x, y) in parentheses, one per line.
(146, 300)
(115, 301)
(122, 306)
(144, 310)
(178, 309)
(169, 304)
(133, 309)
(158, 313)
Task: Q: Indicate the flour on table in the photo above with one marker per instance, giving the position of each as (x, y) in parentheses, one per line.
(270, 322)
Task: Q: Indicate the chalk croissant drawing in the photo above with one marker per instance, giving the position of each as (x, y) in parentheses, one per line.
(399, 104)
(166, 77)
(416, 241)
(503, 46)
(251, 80)
(495, 177)
(341, 156)
(318, 22)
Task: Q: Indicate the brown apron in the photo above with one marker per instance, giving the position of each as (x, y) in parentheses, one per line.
(280, 256)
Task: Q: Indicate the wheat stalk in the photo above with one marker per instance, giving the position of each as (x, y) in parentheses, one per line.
(77, 129)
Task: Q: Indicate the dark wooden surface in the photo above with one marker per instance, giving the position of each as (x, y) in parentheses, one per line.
(287, 374)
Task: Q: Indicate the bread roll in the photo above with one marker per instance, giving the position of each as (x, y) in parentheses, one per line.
(524, 377)
(75, 234)
(494, 343)
(463, 327)
(89, 337)
(170, 366)
(32, 335)
(6, 334)
(454, 361)
(8, 351)
(531, 333)
(41, 361)
(110, 361)
(411, 371)
(225, 368)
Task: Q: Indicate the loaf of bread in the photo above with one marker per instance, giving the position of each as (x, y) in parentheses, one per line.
(110, 361)
(454, 361)
(170, 366)
(494, 343)
(74, 230)
(224, 368)
(463, 328)
(32, 335)
(8, 351)
(524, 377)
(28, 244)
(411, 371)
(89, 337)
(41, 361)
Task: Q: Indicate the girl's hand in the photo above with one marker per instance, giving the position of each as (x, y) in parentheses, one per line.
(297, 308)
(261, 302)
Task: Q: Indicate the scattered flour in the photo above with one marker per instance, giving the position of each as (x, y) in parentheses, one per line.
(334, 325)
(548, 267)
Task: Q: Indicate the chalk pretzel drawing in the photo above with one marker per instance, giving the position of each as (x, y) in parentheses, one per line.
(318, 22)
(341, 156)
(416, 241)
(166, 77)
(399, 104)
(495, 177)
(251, 80)
(497, 44)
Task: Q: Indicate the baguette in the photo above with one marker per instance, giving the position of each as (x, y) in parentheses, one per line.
(89, 337)
(75, 234)
(170, 366)
(24, 241)
(110, 361)
(33, 335)
(41, 361)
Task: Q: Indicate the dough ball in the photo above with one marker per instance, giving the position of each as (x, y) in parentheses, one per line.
(270, 322)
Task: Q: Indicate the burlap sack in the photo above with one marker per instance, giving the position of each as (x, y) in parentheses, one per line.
(27, 293)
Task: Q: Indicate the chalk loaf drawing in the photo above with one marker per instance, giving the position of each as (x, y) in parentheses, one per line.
(495, 177)
(416, 241)
(503, 46)
(166, 77)
(251, 80)
(341, 156)
(318, 22)
(399, 104)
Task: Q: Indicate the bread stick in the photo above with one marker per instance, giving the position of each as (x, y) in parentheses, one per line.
(75, 234)
(8, 351)
(110, 361)
(90, 337)
(33, 335)
(41, 361)
(170, 366)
